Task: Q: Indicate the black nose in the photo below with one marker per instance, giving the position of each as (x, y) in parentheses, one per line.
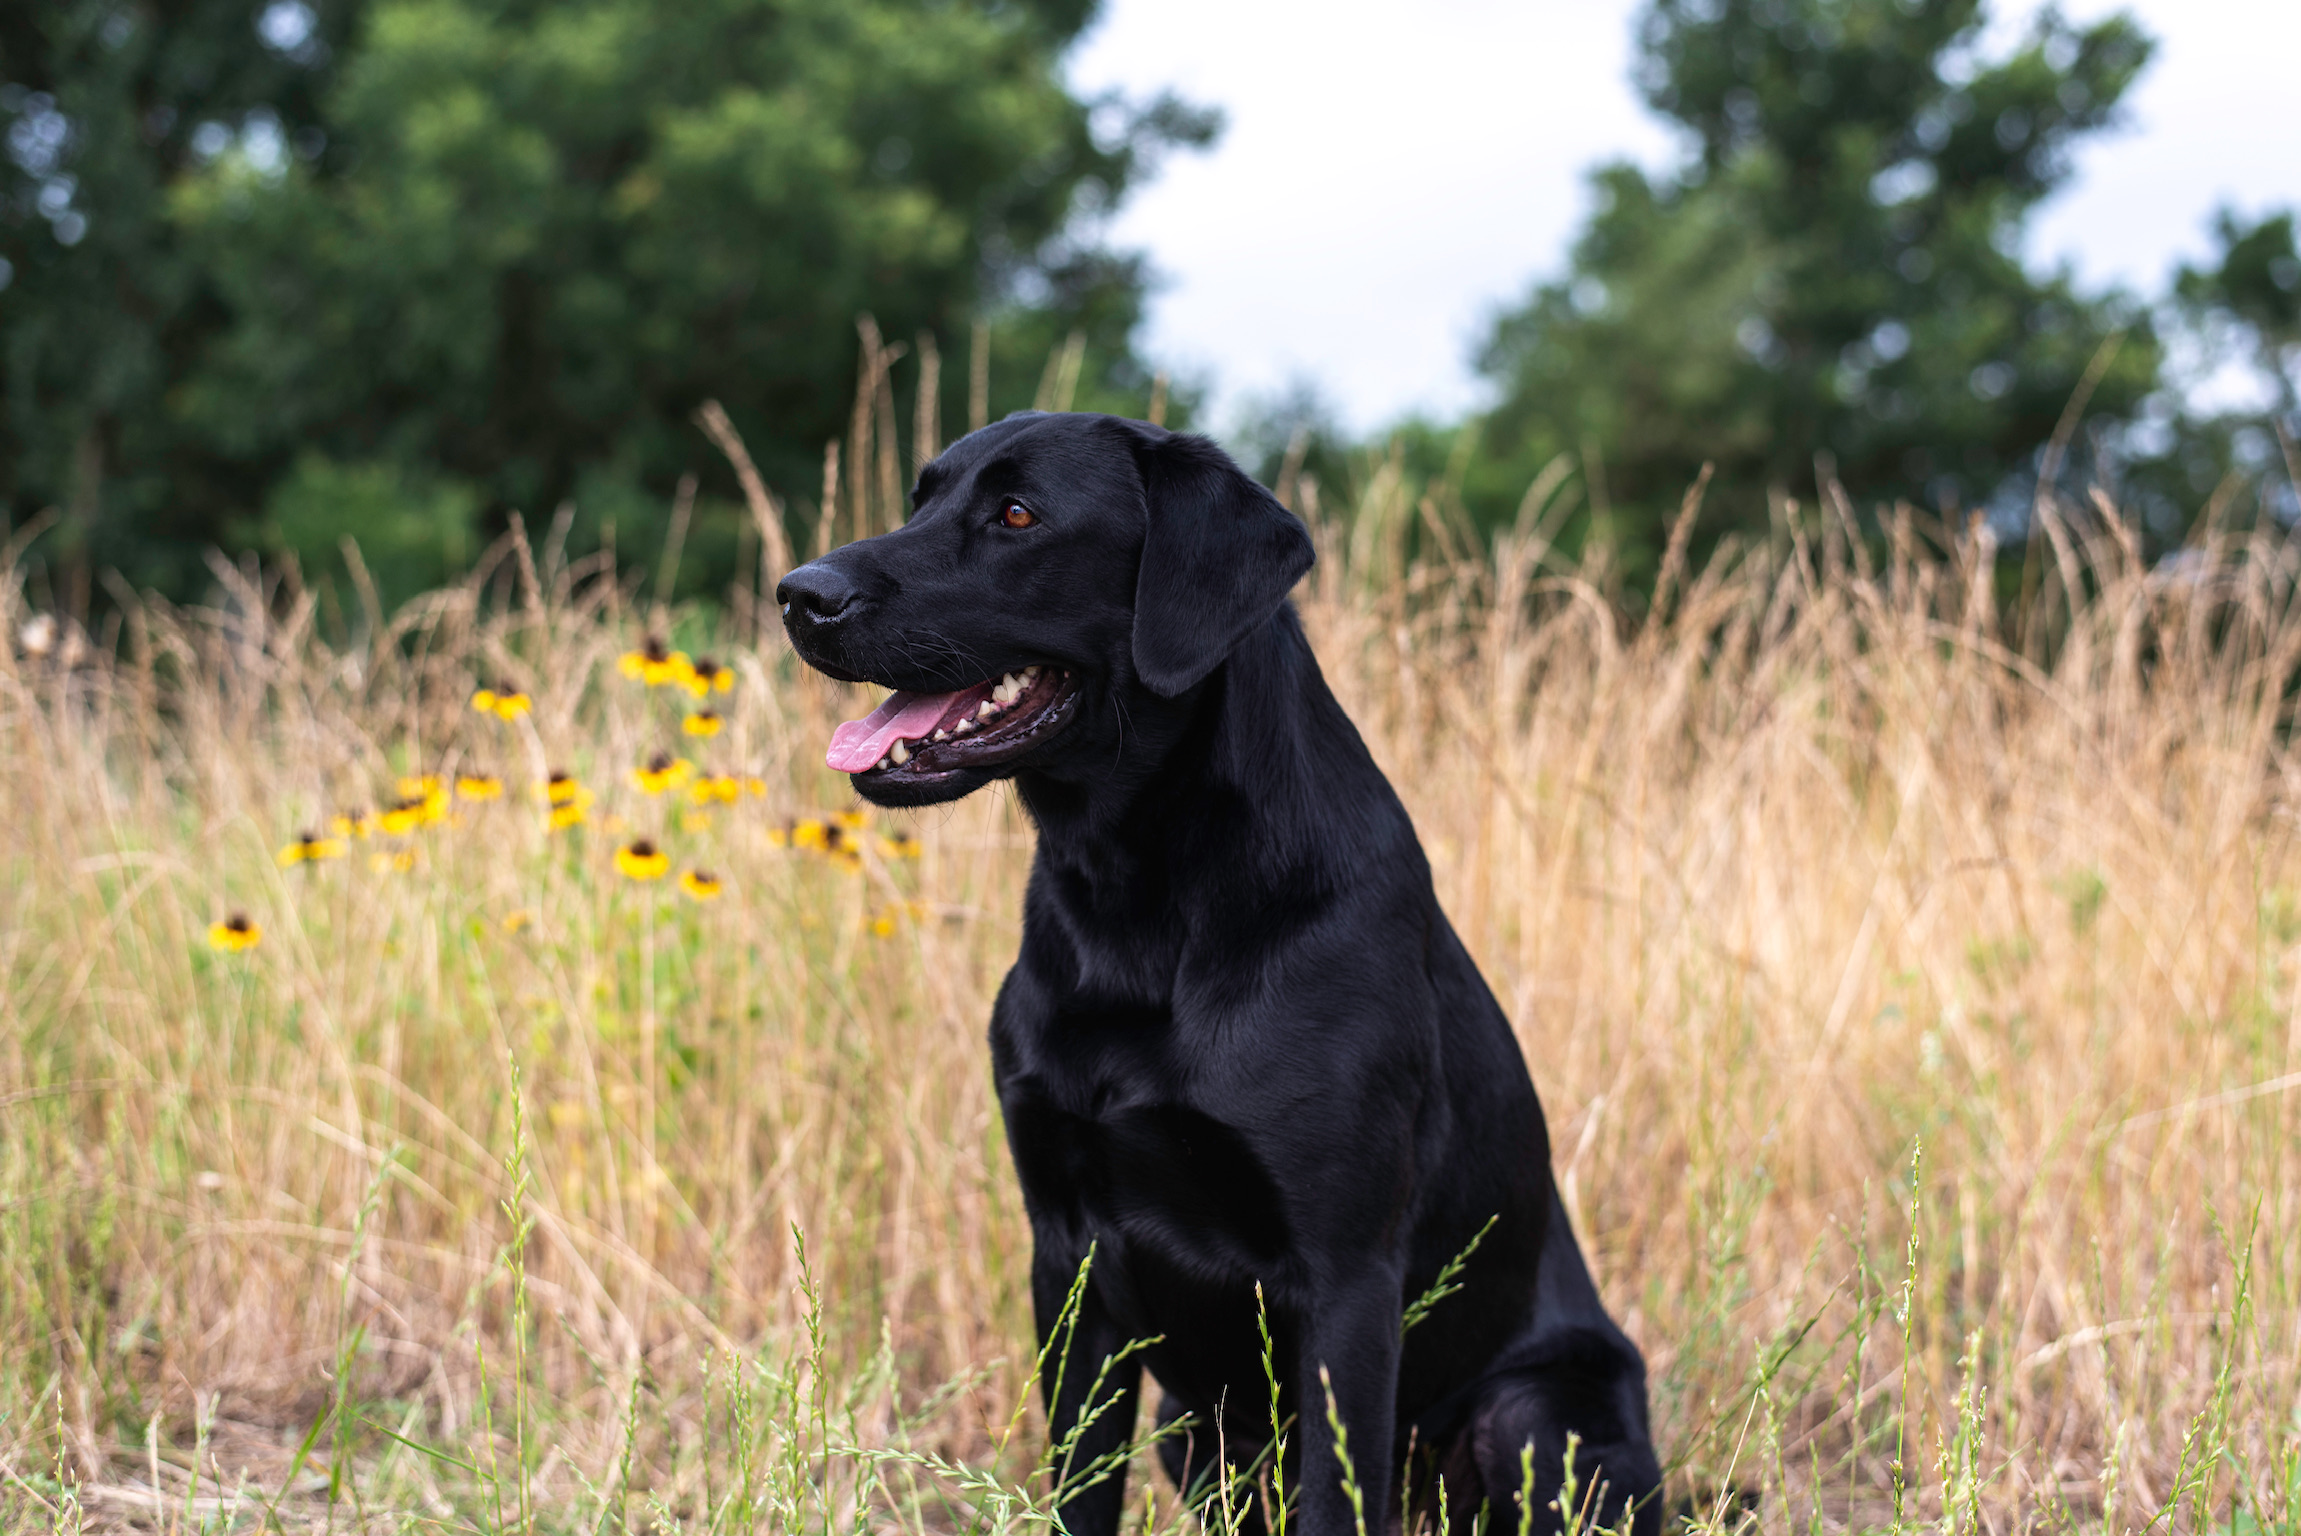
(816, 590)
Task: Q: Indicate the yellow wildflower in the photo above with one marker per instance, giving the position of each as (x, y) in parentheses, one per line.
(854, 820)
(393, 863)
(811, 833)
(310, 847)
(715, 786)
(514, 921)
(565, 816)
(483, 700)
(641, 861)
(655, 664)
(235, 933)
(561, 788)
(703, 722)
(704, 675)
(699, 883)
(661, 772)
(505, 701)
(902, 845)
(425, 797)
(755, 786)
(362, 824)
(479, 786)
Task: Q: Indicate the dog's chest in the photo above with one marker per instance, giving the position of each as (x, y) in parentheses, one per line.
(1116, 1145)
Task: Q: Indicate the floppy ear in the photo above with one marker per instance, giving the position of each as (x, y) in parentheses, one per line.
(1219, 556)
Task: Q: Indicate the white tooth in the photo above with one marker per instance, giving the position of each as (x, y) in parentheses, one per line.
(886, 762)
(901, 754)
(1030, 672)
(985, 710)
(942, 736)
(966, 726)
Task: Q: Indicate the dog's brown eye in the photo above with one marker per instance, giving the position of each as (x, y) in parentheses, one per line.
(1015, 515)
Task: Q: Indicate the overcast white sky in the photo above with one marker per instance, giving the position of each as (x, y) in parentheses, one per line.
(1392, 172)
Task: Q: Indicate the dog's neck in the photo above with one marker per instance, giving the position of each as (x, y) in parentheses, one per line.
(1255, 777)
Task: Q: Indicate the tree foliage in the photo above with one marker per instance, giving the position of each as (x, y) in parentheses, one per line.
(2248, 304)
(1834, 269)
(460, 257)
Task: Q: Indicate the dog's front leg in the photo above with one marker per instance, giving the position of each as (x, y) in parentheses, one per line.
(1349, 1346)
(1079, 1382)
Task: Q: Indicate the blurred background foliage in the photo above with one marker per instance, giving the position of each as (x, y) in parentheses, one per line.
(275, 273)
(396, 268)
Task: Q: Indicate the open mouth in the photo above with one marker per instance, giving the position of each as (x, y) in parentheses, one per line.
(922, 735)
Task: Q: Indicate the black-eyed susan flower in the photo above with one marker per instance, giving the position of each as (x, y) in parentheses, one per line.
(235, 933)
(838, 843)
(641, 860)
(361, 823)
(425, 796)
(478, 786)
(505, 701)
(513, 922)
(656, 664)
(704, 722)
(854, 821)
(722, 787)
(901, 845)
(571, 814)
(701, 884)
(401, 819)
(562, 788)
(810, 833)
(309, 848)
(755, 786)
(661, 772)
(706, 676)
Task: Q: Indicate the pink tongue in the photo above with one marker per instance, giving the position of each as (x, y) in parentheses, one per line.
(857, 745)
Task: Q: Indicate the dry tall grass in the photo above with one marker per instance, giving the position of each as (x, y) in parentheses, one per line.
(477, 1180)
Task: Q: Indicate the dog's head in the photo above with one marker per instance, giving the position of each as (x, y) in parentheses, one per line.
(1060, 576)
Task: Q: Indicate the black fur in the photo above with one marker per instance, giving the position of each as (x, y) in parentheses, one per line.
(1241, 1043)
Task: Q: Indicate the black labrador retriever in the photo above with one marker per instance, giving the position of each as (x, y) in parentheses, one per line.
(1242, 1045)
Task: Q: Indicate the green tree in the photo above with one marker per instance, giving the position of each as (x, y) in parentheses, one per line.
(537, 236)
(1834, 270)
(104, 106)
(2248, 304)
(2239, 319)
